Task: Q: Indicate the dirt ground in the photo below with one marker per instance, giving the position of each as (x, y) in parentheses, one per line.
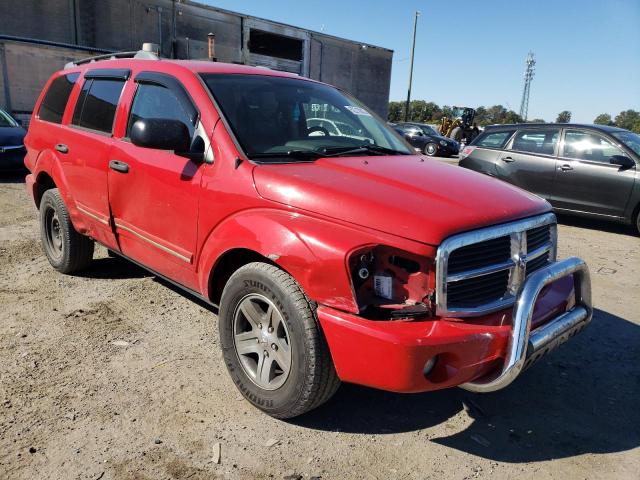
(115, 375)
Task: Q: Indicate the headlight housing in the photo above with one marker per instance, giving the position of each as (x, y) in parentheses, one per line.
(443, 143)
(391, 284)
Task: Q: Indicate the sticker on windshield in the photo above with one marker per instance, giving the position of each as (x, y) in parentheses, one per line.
(357, 111)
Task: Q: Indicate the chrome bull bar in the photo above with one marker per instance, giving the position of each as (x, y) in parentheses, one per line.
(526, 346)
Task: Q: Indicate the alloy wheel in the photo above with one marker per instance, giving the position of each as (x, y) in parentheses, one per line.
(261, 341)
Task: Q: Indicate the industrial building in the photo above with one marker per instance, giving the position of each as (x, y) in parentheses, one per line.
(38, 37)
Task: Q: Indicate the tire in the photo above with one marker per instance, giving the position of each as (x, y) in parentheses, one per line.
(456, 134)
(638, 222)
(67, 250)
(251, 293)
(431, 149)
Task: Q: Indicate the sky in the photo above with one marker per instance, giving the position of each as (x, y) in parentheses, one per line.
(472, 52)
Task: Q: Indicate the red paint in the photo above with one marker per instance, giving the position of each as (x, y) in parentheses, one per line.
(307, 218)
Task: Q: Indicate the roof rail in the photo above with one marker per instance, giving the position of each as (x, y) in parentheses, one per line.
(150, 51)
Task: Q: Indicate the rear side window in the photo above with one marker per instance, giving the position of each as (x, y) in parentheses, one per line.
(55, 100)
(493, 139)
(541, 141)
(97, 103)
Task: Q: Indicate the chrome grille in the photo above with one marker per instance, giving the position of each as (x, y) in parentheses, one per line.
(481, 271)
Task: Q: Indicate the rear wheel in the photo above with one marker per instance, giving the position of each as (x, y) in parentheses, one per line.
(430, 149)
(67, 250)
(271, 342)
(638, 221)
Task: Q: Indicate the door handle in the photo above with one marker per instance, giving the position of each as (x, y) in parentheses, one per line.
(119, 166)
(508, 159)
(565, 167)
(62, 148)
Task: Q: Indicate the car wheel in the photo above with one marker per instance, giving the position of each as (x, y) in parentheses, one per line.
(638, 222)
(67, 250)
(430, 149)
(272, 344)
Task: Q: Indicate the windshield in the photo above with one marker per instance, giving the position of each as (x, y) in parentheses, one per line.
(277, 115)
(6, 120)
(630, 139)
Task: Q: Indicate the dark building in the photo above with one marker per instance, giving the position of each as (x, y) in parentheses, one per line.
(38, 37)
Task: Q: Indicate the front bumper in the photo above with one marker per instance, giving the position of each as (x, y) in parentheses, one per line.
(482, 354)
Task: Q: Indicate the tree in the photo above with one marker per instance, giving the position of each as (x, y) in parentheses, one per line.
(396, 111)
(564, 117)
(629, 119)
(603, 119)
(536, 120)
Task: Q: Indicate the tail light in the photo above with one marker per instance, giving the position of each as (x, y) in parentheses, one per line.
(466, 151)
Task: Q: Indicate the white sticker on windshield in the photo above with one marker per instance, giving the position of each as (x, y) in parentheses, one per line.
(357, 111)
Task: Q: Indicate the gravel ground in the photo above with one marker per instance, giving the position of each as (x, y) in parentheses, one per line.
(113, 374)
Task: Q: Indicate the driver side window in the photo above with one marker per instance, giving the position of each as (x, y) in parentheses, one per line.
(588, 146)
(154, 102)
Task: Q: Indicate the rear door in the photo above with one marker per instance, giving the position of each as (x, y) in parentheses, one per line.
(86, 143)
(585, 179)
(530, 160)
(154, 194)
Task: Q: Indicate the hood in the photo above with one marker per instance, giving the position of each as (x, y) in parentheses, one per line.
(440, 137)
(11, 136)
(410, 196)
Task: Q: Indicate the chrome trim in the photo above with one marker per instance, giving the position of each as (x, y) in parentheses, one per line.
(456, 277)
(92, 215)
(11, 147)
(525, 346)
(154, 243)
(539, 251)
(516, 264)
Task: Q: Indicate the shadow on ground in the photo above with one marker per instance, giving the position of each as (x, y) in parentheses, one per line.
(581, 399)
(592, 224)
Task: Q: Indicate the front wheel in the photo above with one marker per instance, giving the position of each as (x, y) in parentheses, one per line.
(271, 342)
(66, 249)
(431, 149)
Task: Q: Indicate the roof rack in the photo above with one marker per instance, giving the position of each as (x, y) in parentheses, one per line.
(150, 51)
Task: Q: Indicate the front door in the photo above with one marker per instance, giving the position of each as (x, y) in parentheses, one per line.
(586, 181)
(530, 162)
(154, 194)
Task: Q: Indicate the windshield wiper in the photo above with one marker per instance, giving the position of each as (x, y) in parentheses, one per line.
(366, 148)
(306, 155)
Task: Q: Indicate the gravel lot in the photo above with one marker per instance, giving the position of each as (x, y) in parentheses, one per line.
(115, 375)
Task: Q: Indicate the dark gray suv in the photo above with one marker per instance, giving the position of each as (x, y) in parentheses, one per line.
(587, 170)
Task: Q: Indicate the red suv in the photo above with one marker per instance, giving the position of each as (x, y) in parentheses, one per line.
(331, 256)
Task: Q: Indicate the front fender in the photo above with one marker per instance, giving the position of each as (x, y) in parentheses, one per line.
(313, 250)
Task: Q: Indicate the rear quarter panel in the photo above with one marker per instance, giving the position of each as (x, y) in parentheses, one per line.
(482, 160)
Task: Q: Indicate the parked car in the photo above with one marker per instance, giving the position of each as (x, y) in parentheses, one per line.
(12, 149)
(589, 170)
(330, 258)
(427, 140)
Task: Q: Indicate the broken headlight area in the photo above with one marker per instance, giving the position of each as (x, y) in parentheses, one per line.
(390, 284)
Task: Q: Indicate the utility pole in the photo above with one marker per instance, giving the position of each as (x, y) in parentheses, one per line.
(413, 49)
(529, 72)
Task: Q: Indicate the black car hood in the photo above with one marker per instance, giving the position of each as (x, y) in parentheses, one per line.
(440, 137)
(11, 136)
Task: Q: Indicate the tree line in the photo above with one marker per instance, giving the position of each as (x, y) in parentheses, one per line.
(430, 112)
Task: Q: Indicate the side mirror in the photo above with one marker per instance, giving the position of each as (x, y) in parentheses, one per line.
(162, 134)
(622, 160)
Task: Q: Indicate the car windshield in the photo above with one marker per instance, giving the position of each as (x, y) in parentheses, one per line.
(630, 139)
(275, 117)
(6, 120)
